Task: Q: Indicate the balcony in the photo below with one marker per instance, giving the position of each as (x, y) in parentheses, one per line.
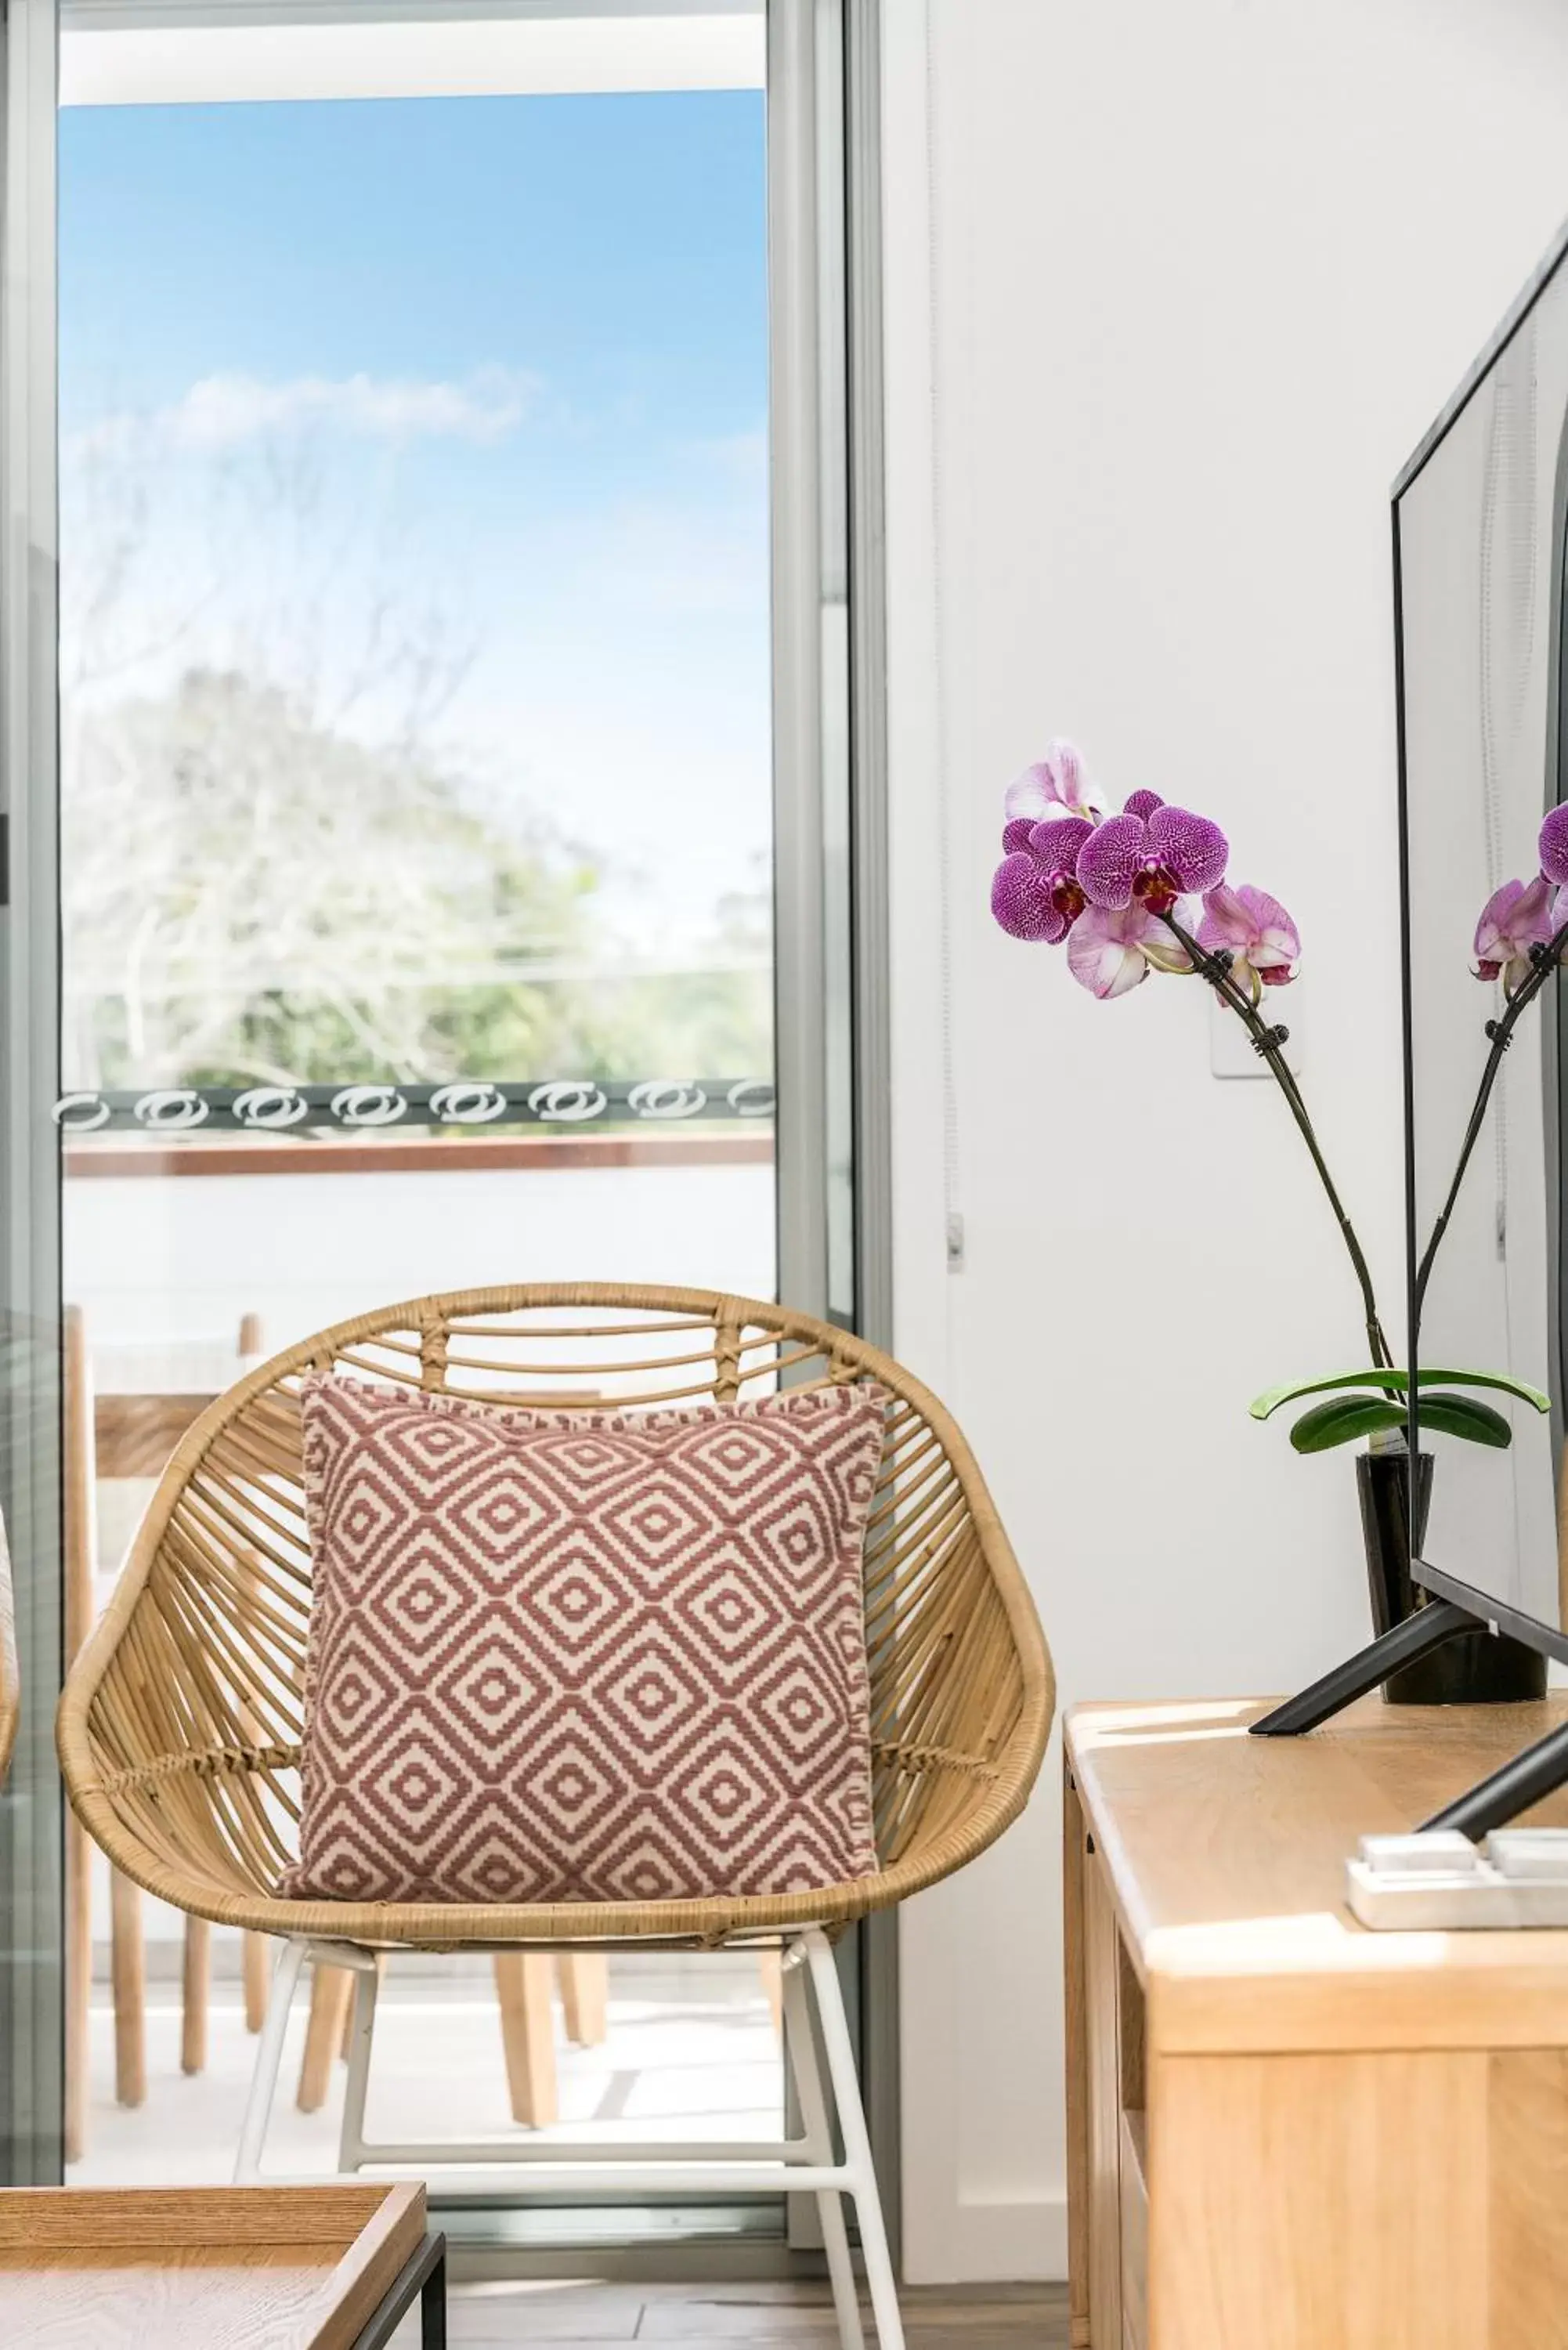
(181, 1247)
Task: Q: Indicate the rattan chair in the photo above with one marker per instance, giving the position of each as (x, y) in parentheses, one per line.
(179, 1728)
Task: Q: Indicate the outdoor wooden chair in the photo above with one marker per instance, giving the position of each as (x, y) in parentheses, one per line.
(110, 1438)
(524, 1992)
(179, 1724)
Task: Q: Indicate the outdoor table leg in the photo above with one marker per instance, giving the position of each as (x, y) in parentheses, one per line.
(432, 2306)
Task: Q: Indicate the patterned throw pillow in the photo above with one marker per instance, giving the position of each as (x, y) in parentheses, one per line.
(584, 1656)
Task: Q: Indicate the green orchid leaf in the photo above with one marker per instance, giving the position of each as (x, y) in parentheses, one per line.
(1452, 1415)
(1262, 1406)
(1341, 1420)
(1345, 1419)
(1500, 1380)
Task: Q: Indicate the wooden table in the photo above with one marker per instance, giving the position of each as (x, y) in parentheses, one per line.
(1286, 2133)
(236, 2268)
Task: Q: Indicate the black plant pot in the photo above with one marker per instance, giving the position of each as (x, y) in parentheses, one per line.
(1472, 1668)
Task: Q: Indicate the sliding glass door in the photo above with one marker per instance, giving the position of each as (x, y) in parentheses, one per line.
(455, 805)
(32, 1906)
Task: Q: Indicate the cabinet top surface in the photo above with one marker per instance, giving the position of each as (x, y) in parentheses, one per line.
(1225, 1859)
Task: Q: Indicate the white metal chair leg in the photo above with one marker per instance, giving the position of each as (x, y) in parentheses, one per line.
(269, 2055)
(860, 2172)
(351, 2144)
(800, 2040)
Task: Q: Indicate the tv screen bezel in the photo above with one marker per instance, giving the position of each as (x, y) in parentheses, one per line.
(1548, 1640)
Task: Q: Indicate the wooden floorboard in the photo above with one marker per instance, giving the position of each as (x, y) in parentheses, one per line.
(561, 2314)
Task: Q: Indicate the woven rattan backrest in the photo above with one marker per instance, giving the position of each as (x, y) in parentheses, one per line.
(205, 1657)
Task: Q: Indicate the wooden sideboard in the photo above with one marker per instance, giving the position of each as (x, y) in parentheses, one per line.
(1285, 2133)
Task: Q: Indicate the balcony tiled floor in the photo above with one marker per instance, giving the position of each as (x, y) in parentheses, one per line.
(690, 2053)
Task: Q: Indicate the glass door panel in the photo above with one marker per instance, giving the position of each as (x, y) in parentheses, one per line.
(416, 858)
(32, 1902)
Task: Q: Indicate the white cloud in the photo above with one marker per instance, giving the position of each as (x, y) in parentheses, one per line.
(223, 411)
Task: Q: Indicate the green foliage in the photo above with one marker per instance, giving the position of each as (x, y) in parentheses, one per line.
(1478, 1423)
(1345, 1419)
(1395, 1382)
(254, 894)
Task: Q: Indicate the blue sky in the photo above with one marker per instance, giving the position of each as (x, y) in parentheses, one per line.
(522, 342)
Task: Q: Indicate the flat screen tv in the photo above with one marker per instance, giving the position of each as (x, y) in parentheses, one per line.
(1480, 570)
(1480, 534)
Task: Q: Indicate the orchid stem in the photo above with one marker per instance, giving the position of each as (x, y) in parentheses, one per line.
(1216, 969)
(1544, 960)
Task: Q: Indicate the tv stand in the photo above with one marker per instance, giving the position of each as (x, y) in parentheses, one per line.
(1283, 2129)
(1420, 1633)
(1451, 1607)
(1525, 1781)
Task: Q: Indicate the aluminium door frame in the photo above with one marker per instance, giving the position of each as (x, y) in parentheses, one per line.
(880, 2057)
(32, 2012)
(830, 854)
(830, 765)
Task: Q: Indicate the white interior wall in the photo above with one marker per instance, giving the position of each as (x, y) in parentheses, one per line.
(1203, 275)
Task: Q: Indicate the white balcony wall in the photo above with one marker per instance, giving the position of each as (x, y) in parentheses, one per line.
(162, 1263)
(1203, 275)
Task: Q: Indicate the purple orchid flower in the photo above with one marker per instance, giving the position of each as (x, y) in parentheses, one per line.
(1034, 893)
(1553, 844)
(1523, 915)
(1020, 898)
(1059, 783)
(1151, 859)
(1514, 919)
(1254, 930)
(1553, 850)
(1113, 949)
(1106, 953)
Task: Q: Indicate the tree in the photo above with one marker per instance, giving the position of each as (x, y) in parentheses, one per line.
(273, 870)
(253, 896)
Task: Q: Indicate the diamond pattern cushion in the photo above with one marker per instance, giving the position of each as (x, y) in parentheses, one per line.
(584, 1656)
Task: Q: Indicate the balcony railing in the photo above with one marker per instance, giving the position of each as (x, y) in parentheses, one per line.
(534, 1125)
(459, 1103)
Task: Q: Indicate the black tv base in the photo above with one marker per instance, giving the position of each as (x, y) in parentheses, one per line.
(1451, 1609)
(1420, 1633)
(1531, 1776)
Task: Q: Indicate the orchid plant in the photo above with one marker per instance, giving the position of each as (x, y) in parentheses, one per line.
(1148, 889)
